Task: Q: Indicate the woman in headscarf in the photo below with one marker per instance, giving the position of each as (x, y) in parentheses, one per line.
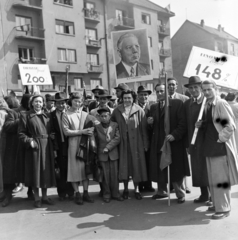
(35, 131)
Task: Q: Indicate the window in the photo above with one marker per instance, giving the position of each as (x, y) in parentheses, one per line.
(152, 64)
(161, 44)
(64, 27)
(218, 46)
(160, 22)
(119, 14)
(145, 18)
(150, 86)
(23, 23)
(233, 49)
(25, 53)
(89, 5)
(66, 55)
(150, 41)
(161, 66)
(77, 83)
(65, 2)
(94, 83)
(91, 34)
(93, 59)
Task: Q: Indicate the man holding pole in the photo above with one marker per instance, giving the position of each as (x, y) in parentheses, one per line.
(219, 150)
(179, 167)
(198, 161)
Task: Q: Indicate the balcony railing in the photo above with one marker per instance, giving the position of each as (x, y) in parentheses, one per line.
(28, 3)
(64, 2)
(165, 52)
(92, 43)
(91, 14)
(163, 30)
(28, 32)
(33, 60)
(125, 23)
(94, 68)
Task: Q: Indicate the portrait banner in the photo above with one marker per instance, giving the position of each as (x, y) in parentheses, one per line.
(131, 56)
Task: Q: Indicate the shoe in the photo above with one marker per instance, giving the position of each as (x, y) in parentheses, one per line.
(181, 200)
(209, 203)
(149, 189)
(211, 209)
(78, 199)
(6, 201)
(220, 215)
(47, 201)
(159, 196)
(200, 200)
(61, 199)
(138, 196)
(18, 189)
(87, 198)
(2, 198)
(188, 190)
(125, 194)
(106, 200)
(119, 199)
(37, 204)
(30, 196)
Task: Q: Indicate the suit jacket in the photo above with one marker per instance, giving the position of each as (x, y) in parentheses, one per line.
(108, 140)
(180, 96)
(141, 70)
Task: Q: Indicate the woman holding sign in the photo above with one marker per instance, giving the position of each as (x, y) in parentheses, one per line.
(35, 132)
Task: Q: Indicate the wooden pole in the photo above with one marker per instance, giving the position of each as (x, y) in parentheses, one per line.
(169, 186)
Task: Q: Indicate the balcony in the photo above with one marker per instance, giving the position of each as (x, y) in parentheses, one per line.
(28, 32)
(28, 4)
(163, 31)
(92, 68)
(164, 53)
(33, 60)
(124, 23)
(91, 43)
(91, 15)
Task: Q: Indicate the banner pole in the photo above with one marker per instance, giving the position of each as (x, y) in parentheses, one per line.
(169, 186)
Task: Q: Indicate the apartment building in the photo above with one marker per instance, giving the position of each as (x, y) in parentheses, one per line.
(198, 34)
(74, 37)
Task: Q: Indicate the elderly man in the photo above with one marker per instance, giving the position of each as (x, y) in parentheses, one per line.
(128, 48)
(94, 104)
(50, 103)
(219, 149)
(198, 161)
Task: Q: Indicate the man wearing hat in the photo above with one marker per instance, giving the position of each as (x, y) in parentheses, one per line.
(198, 160)
(143, 102)
(50, 103)
(103, 99)
(63, 187)
(119, 89)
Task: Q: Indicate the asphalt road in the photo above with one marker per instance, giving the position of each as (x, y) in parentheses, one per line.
(131, 219)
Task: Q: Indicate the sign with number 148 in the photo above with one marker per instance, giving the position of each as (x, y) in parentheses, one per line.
(211, 65)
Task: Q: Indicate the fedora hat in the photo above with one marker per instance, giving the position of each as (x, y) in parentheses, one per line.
(103, 109)
(122, 86)
(97, 88)
(143, 89)
(61, 96)
(103, 93)
(193, 80)
(49, 97)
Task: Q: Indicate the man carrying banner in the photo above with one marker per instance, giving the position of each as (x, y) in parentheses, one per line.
(179, 167)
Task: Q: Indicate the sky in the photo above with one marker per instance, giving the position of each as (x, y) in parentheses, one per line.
(213, 12)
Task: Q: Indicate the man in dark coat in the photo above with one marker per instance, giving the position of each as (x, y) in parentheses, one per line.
(63, 187)
(179, 167)
(143, 102)
(198, 160)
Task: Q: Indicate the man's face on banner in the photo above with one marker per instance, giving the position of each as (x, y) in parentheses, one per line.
(130, 51)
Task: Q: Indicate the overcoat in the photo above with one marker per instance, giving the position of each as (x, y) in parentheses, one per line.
(40, 170)
(179, 167)
(198, 160)
(136, 130)
(234, 107)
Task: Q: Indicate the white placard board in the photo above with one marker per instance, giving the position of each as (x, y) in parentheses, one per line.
(35, 74)
(203, 63)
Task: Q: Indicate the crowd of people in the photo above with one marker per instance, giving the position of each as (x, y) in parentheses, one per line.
(56, 141)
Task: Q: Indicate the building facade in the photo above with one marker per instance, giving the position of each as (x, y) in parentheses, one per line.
(192, 34)
(74, 37)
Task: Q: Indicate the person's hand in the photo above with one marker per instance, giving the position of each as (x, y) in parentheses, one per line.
(52, 136)
(150, 120)
(105, 150)
(88, 131)
(33, 144)
(188, 151)
(219, 141)
(146, 149)
(198, 124)
(169, 138)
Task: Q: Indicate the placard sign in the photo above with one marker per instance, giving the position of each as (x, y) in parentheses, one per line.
(35, 74)
(211, 65)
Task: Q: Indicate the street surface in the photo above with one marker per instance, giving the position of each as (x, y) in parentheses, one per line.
(131, 219)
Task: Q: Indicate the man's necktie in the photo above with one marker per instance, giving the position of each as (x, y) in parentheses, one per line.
(161, 104)
(132, 72)
(195, 100)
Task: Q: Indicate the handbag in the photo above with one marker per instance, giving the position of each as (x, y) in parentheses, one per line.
(97, 172)
(57, 171)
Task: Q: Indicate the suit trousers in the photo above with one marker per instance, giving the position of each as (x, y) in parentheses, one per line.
(218, 177)
(110, 181)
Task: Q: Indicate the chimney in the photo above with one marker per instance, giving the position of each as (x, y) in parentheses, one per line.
(219, 28)
(202, 23)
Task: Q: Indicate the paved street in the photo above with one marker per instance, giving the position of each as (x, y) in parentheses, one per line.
(132, 219)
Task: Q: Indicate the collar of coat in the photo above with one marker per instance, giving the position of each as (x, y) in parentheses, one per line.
(135, 108)
(32, 113)
(199, 101)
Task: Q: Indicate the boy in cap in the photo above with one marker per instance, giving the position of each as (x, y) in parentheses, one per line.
(108, 138)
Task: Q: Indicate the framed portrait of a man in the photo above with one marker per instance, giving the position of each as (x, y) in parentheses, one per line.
(131, 56)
